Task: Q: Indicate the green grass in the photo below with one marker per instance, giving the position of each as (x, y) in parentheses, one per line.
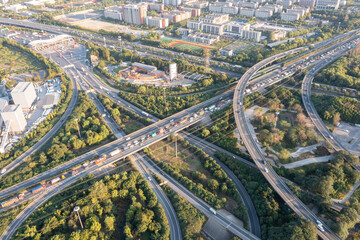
(165, 39)
(186, 46)
(14, 60)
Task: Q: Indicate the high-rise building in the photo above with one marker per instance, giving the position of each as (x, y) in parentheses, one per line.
(327, 4)
(135, 14)
(24, 94)
(172, 71)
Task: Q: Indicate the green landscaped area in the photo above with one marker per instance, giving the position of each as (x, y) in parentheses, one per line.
(180, 44)
(186, 161)
(14, 60)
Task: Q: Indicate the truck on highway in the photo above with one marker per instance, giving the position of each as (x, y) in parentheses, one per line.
(38, 188)
(74, 172)
(153, 134)
(12, 200)
(55, 180)
(113, 153)
(213, 211)
(211, 107)
(100, 159)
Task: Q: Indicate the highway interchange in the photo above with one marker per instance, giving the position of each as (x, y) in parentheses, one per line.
(249, 141)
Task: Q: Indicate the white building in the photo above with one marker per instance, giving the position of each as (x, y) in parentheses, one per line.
(327, 4)
(223, 7)
(291, 17)
(248, 12)
(15, 115)
(241, 30)
(212, 23)
(24, 94)
(204, 38)
(172, 71)
(259, 13)
(55, 42)
(284, 3)
(307, 3)
(248, 4)
(172, 2)
(157, 22)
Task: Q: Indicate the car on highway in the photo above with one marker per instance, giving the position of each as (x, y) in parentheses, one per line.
(3, 170)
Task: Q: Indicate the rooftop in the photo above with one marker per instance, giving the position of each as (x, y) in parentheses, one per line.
(141, 65)
(21, 87)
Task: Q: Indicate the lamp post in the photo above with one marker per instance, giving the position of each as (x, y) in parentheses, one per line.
(76, 209)
(175, 134)
(77, 124)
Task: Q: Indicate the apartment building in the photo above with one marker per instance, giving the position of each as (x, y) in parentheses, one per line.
(307, 3)
(176, 15)
(223, 7)
(157, 22)
(242, 30)
(195, 12)
(291, 17)
(135, 14)
(248, 12)
(327, 4)
(172, 2)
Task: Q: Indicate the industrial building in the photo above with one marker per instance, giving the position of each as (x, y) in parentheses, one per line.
(14, 116)
(24, 94)
(50, 100)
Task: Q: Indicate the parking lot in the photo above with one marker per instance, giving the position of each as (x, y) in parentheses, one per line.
(349, 136)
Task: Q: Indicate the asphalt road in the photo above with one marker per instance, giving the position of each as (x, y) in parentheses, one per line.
(210, 149)
(277, 183)
(309, 106)
(197, 202)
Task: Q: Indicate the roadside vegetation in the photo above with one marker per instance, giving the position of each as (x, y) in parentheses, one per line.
(117, 206)
(199, 173)
(127, 120)
(191, 220)
(66, 144)
(276, 219)
(6, 217)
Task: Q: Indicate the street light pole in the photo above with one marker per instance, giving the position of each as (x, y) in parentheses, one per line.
(77, 124)
(176, 144)
(76, 209)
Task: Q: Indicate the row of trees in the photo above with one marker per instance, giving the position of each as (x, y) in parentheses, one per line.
(66, 144)
(117, 206)
(191, 220)
(276, 219)
(157, 105)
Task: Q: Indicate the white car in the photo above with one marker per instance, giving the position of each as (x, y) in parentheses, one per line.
(3, 170)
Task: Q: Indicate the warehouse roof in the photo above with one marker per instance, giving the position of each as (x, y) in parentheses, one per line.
(21, 87)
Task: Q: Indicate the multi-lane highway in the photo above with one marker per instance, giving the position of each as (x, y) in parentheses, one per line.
(198, 203)
(256, 153)
(306, 94)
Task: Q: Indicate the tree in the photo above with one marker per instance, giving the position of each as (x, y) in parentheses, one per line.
(109, 223)
(205, 132)
(336, 118)
(284, 154)
(301, 118)
(213, 184)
